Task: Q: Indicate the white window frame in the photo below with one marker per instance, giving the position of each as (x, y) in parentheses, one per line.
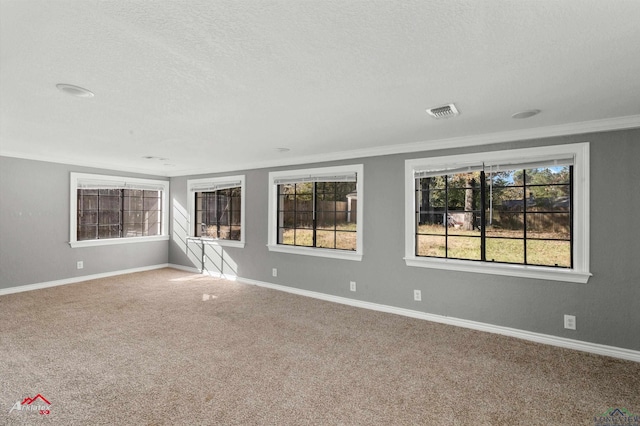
(315, 251)
(77, 178)
(192, 187)
(580, 271)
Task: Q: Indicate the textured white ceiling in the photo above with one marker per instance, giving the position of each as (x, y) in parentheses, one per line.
(218, 85)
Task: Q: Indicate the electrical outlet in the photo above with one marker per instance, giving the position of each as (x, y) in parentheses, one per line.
(352, 286)
(570, 322)
(417, 295)
(80, 264)
(274, 272)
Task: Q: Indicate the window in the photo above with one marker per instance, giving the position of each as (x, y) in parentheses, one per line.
(114, 210)
(521, 212)
(317, 212)
(217, 208)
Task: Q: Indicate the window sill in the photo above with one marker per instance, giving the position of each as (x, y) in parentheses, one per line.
(318, 252)
(115, 241)
(525, 271)
(216, 242)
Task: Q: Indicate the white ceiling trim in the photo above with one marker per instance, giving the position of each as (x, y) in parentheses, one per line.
(594, 126)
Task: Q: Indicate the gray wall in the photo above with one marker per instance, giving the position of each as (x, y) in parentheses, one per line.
(607, 307)
(34, 228)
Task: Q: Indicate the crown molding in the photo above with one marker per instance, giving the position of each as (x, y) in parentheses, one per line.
(584, 127)
(107, 167)
(594, 126)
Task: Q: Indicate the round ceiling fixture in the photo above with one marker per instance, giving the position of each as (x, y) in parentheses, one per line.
(526, 114)
(76, 91)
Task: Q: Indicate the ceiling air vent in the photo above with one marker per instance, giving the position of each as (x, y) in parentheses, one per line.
(443, 111)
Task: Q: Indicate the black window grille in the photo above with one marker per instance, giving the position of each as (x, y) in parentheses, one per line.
(522, 216)
(318, 214)
(118, 213)
(218, 214)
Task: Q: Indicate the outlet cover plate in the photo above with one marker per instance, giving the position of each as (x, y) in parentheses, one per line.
(417, 295)
(570, 322)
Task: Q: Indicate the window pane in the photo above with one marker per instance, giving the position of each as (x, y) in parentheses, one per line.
(132, 217)
(88, 218)
(286, 219)
(109, 203)
(549, 198)
(133, 203)
(87, 202)
(346, 240)
(549, 253)
(133, 192)
(225, 219)
(304, 188)
(286, 236)
(109, 231)
(208, 231)
(433, 200)
(505, 199)
(109, 217)
(132, 230)
(504, 224)
(463, 248)
(549, 225)
(304, 220)
(326, 190)
(87, 232)
(548, 175)
(325, 239)
(509, 250)
(236, 233)
(224, 232)
(152, 228)
(304, 237)
(236, 209)
(303, 205)
(428, 245)
(431, 223)
(328, 219)
(151, 203)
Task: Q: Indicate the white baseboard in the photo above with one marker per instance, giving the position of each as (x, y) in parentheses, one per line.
(37, 286)
(562, 342)
(204, 272)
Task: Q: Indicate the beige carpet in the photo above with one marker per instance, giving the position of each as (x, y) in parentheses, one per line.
(169, 347)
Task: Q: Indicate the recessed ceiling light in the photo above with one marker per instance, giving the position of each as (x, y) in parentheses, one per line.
(283, 149)
(526, 114)
(76, 91)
